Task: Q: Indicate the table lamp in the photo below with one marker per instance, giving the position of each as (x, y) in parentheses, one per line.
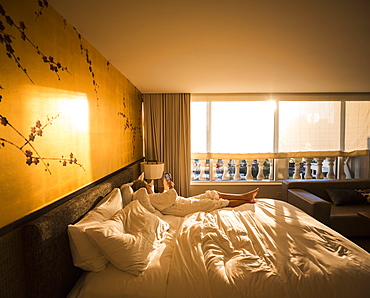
(152, 170)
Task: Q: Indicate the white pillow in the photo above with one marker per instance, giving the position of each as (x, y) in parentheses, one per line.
(129, 239)
(127, 193)
(85, 254)
(142, 196)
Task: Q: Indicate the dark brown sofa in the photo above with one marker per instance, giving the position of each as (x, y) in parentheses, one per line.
(312, 197)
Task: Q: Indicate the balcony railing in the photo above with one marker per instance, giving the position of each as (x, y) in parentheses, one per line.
(226, 168)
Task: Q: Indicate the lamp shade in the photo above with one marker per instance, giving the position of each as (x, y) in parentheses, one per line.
(152, 170)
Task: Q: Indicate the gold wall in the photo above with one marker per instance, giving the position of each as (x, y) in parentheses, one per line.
(67, 116)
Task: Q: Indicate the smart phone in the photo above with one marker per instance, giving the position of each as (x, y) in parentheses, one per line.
(168, 177)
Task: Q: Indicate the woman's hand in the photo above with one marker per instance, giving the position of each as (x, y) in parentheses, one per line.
(149, 188)
(168, 184)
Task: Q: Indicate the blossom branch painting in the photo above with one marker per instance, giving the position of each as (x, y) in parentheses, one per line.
(42, 4)
(129, 125)
(32, 155)
(7, 39)
(90, 64)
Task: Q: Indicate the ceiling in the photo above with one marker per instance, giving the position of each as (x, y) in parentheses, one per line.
(216, 46)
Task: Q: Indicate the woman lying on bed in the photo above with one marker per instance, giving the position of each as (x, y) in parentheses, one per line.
(170, 203)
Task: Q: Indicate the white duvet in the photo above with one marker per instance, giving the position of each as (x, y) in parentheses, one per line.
(266, 249)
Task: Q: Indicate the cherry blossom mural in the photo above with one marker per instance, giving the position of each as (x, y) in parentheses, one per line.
(7, 39)
(68, 117)
(32, 157)
(129, 125)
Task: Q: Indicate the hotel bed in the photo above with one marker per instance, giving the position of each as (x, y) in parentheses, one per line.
(266, 249)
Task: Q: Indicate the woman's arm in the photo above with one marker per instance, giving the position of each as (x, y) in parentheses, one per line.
(164, 199)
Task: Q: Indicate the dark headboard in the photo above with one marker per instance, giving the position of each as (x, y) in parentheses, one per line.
(49, 267)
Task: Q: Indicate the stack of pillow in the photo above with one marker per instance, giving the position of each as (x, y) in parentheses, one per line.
(120, 230)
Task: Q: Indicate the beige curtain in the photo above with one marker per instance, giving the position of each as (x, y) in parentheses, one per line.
(167, 135)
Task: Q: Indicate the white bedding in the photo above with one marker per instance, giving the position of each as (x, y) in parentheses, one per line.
(266, 249)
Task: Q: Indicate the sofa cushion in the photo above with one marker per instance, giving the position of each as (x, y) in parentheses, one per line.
(365, 193)
(345, 196)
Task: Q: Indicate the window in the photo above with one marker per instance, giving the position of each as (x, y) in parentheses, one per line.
(357, 127)
(199, 126)
(229, 131)
(309, 126)
(225, 127)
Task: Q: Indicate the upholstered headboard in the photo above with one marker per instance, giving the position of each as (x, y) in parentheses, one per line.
(49, 267)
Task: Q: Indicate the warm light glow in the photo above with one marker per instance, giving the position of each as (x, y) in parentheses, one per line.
(273, 104)
(199, 127)
(76, 112)
(64, 116)
(233, 126)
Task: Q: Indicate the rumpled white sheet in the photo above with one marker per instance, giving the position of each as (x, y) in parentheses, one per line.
(266, 249)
